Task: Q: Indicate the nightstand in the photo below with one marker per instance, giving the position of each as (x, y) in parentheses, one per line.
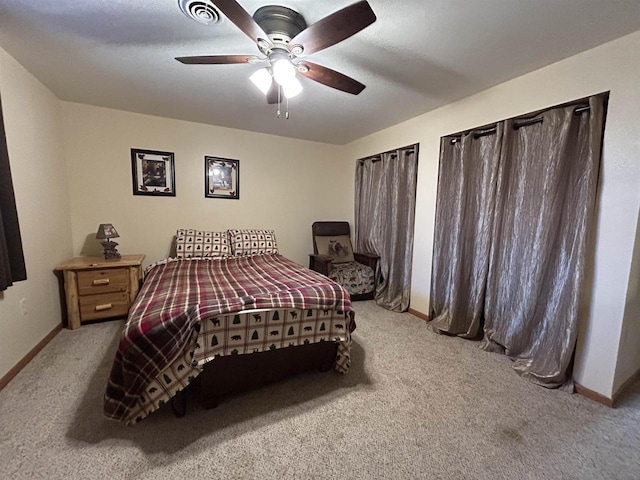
(96, 288)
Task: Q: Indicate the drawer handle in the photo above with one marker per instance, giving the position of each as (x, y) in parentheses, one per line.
(104, 306)
(101, 281)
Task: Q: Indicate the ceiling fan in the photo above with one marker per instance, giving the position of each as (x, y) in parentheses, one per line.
(283, 38)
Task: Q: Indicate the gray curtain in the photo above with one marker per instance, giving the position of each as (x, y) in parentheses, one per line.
(463, 229)
(384, 216)
(545, 202)
(513, 219)
(12, 266)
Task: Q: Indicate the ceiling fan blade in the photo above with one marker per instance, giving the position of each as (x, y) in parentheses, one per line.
(215, 59)
(241, 18)
(272, 94)
(335, 28)
(331, 78)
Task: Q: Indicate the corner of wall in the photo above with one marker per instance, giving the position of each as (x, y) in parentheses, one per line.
(31, 309)
(628, 363)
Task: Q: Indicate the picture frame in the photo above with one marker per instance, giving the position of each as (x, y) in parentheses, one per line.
(153, 173)
(221, 178)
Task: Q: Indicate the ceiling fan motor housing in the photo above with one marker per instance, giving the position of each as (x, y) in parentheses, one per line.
(281, 24)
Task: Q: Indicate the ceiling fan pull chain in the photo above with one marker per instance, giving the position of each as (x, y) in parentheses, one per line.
(286, 115)
(279, 101)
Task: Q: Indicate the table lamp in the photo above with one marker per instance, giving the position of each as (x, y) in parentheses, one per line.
(106, 232)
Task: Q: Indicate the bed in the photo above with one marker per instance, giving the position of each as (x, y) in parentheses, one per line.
(192, 312)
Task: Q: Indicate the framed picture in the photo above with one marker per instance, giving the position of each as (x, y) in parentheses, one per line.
(221, 178)
(153, 173)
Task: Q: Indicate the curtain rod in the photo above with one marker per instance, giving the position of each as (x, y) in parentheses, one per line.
(579, 110)
(483, 133)
(376, 157)
(526, 122)
(517, 125)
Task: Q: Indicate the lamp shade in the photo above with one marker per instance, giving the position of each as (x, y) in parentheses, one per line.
(283, 71)
(262, 79)
(106, 230)
(292, 87)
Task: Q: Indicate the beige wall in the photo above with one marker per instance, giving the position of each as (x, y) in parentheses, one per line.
(285, 184)
(602, 352)
(34, 139)
(629, 352)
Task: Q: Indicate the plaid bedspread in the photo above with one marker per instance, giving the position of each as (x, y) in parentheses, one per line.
(177, 295)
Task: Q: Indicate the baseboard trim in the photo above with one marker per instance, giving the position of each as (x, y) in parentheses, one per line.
(595, 396)
(418, 314)
(4, 381)
(625, 385)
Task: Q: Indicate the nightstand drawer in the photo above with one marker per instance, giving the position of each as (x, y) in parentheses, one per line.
(92, 282)
(104, 306)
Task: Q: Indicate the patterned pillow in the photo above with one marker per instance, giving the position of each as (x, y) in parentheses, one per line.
(252, 242)
(192, 243)
(337, 247)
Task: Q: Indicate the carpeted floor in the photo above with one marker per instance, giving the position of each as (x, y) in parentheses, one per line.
(415, 405)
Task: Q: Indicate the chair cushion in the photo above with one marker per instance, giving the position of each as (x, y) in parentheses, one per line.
(355, 277)
(338, 247)
(191, 243)
(252, 242)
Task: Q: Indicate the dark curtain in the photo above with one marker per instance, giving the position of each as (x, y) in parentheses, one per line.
(545, 203)
(463, 229)
(384, 216)
(12, 267)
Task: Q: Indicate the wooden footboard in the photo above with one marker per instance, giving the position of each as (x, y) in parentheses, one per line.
(232, 374)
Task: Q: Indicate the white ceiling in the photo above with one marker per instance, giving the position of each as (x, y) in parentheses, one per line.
(418, 55)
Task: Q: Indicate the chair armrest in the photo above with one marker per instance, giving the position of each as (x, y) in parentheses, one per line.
(370, 259)
(320, 263)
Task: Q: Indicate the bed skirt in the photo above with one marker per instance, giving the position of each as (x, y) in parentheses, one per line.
(234, 374)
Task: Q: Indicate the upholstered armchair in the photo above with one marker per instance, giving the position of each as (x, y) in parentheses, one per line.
(334, 257)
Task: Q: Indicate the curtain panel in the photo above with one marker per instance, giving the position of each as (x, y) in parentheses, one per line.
(514, 216)
(12, 266)
(385, 193)
(463, 228)
(545, 205)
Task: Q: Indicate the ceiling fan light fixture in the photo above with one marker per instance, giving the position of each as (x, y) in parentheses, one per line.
(292, 87)
(283, 71)
(262, 79)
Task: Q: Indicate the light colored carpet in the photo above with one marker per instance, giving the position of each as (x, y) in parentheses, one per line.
(415, 405)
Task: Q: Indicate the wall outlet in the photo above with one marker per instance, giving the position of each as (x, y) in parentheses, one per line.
(23, 306)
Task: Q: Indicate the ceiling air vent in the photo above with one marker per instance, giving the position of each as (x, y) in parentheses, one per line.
(202, 11)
